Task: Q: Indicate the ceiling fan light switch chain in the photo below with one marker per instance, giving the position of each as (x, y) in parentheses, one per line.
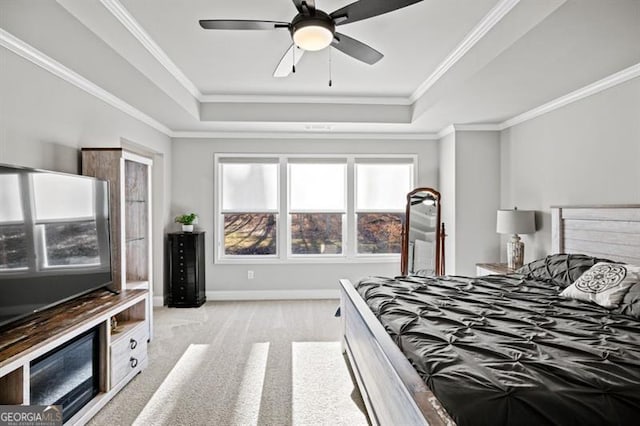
(330, 80)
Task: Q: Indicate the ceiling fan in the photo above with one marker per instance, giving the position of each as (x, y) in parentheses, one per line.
(312, 29)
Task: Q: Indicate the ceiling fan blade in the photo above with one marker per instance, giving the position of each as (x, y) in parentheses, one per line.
(285, 66)
(300, 5)
(240, 24)
(363, 9)
(356, 49)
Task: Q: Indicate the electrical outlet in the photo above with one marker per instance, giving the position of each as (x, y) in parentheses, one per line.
(250, 275)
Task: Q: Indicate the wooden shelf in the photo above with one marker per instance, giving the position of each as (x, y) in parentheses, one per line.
(123, 329)
(129, 177)
(42, 328)
(128, 319)
(137, 285)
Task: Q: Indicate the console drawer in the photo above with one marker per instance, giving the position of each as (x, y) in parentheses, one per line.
(128, 353)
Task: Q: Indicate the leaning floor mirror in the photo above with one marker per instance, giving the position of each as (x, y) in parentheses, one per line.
(422, 236)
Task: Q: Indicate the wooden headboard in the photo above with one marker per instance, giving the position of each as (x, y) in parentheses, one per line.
(611, 232)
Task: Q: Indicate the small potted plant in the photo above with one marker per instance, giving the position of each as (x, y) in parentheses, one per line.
(187, 221)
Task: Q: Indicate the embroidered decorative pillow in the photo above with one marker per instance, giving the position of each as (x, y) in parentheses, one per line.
(630, 304)
(560, 269)
(604, 283)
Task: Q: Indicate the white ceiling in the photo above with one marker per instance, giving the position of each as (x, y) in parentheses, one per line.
(413, 39)
(446, 61)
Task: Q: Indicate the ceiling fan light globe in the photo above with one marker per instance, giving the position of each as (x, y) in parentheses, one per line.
(312, 37)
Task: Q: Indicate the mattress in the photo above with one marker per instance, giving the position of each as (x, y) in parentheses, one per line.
(503, 350)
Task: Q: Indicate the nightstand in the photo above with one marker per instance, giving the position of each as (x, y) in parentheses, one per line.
(493, 269)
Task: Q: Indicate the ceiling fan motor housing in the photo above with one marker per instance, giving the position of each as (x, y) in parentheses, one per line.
(312, 32)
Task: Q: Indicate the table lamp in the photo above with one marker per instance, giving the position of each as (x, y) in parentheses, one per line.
(515, 222)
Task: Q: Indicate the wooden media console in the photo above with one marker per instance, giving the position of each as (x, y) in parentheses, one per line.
(121, 354)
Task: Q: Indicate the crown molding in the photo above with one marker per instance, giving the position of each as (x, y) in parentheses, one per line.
(131, 24)
(305, 135)
(485, 127)
(354, 100)
(30, 53)
(494, 16)
(490, 20)
(446, 131)
(118, 10)
(25, 50)
(591, 89)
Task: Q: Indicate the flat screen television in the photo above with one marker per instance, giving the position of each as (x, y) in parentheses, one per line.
(54, 239)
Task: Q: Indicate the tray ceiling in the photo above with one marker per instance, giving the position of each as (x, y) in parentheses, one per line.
(477, 62)
(414, 41)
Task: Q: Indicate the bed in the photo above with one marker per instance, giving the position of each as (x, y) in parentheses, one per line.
(500, 349)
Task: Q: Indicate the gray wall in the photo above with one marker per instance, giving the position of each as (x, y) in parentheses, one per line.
(477, 199)
(585, 153)
(470, 182)
(44, 121)
(193, 190)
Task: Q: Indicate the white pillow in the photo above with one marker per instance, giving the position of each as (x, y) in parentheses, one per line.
(604, 283)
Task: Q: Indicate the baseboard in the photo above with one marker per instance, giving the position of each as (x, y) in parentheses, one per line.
(273, 294)
(158, 301)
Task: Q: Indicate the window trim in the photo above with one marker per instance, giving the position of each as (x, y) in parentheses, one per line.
(284, 256)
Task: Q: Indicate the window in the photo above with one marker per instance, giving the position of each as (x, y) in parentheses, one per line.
(13, 252)
(49, 228)
(317, 206)
(249, 207)
(66, 227)
(381, 190)
(294, 207)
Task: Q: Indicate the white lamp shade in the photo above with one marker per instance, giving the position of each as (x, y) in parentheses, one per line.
(516, 222)
(312, 37)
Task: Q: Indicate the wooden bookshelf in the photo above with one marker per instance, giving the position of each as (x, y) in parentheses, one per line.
(129, 177)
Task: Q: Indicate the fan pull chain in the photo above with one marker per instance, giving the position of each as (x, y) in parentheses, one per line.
(330, 82)
(293, 68)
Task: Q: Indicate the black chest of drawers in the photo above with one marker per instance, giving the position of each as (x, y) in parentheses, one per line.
(186, 269)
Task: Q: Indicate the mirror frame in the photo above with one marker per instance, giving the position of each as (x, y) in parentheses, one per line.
(404, 258)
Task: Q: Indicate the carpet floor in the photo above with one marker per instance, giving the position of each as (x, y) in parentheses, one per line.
(242, 363)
